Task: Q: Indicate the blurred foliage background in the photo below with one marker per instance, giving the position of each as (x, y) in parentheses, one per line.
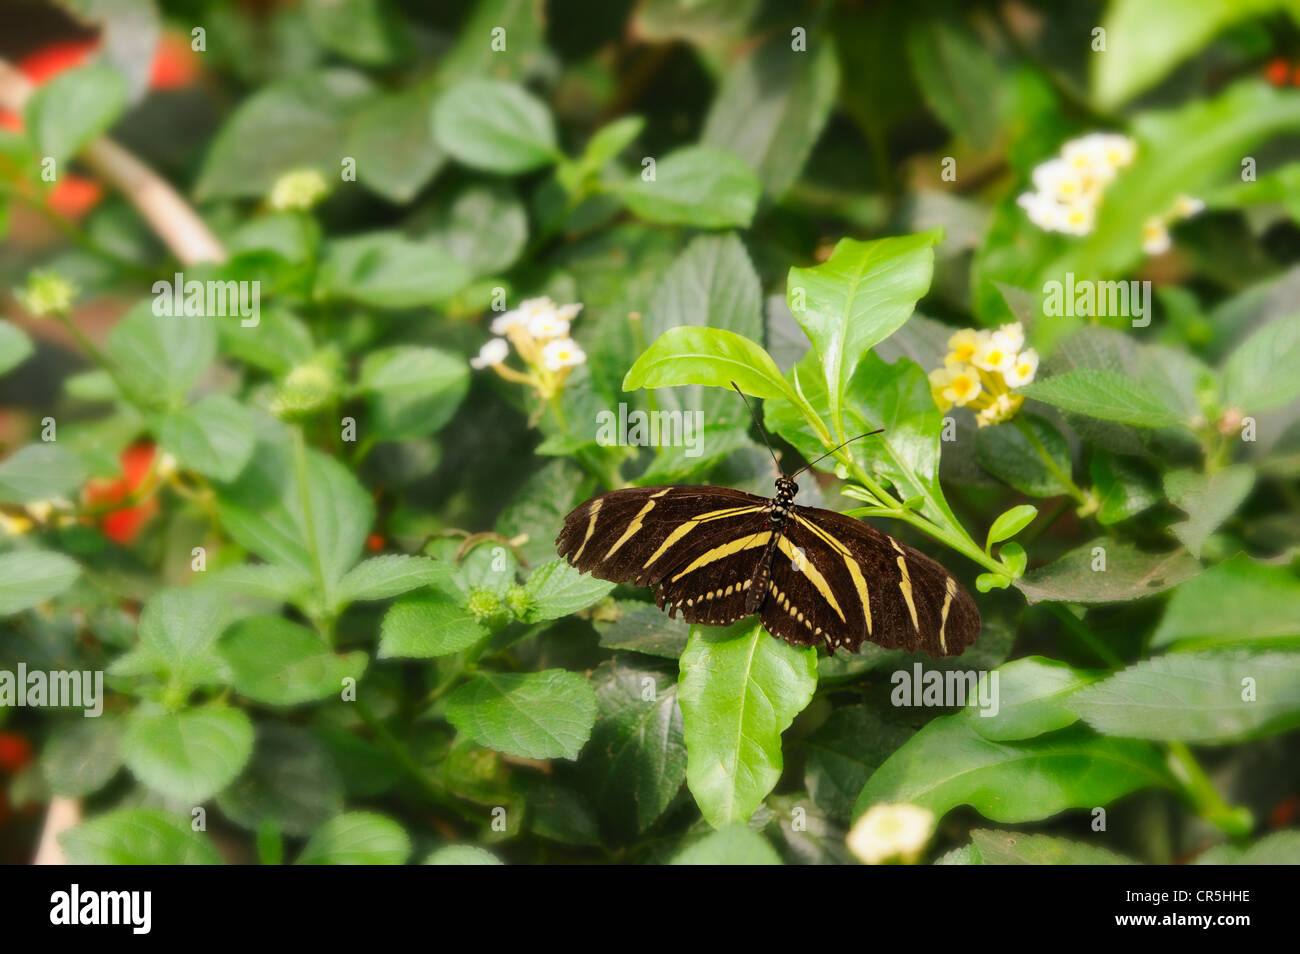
(313, 552)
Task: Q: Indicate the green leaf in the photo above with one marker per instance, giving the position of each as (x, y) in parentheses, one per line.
(495, 126)
(298, 122)
(179, 629)
(1122, 490)
(1019, 848)
(557, 589)
(137, 836)
(33, 576)
(429, 624)
(1208, 499)
(771, 108)
(1103, 394)
(1032, 695)
(638, 749)
(369, 32)
(1260, 374)
(187, 756)
(536, 715)
(644, 628)
(948, 763)
(957, 76)
(392, 142)
(1279, 848)
(291, 782)
(321, 536)
(411, 391)
(1006, 452)
(284, 664)
(1238, 601)
(1196, 697)
(701, 186)
(15, 347)
(1107, 571)
(382, 577)
(388, 270)
(357, 838)
(1009, 523)
(736, 844)
(856, 299)
(82, 755)
(161, 358)
(485, 228)
(739, 689)
(65, 113)
(213, 437)
(462, 855)
(39, 472)
(1148, 38)
(843, 752)
(709, 356)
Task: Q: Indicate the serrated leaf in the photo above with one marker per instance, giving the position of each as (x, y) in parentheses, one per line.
(733, 845)
(33, 576)
(1238, 601)
(357, 838)
(536, 715)
(279, 662)
(188, 756)
(429, 624)
(137, 836)
(557, 589)
(213, 437)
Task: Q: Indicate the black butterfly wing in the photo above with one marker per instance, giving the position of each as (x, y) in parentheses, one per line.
(641, 535)
(839, 581)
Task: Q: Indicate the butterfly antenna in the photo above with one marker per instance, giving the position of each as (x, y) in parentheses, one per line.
(878, 430)
(759, 425)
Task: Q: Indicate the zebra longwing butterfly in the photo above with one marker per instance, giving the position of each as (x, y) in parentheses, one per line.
(815, 577)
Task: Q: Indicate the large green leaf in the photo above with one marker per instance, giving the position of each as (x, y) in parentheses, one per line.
(709, 356)
(1107, 571)
(213, 437)
(857, 298)
(386, 269)
(1208, 499)
(279, 662)
(557, 589)
(15, 346)
(495, 126)
(536, 715)
(739, 690)
(187, 756)
(357, 838)
(82, 755)
(638, 748)
(39, 472)
(1032, 699)
(71, 109)
(1104, 394)
(33, 576)
(1260, 374)
(735, 844)
(291, 782)
(772, 107)
(411, 391)
(1211, 696)
(161, 358)
(179, 629)
(137, 836)
(843, 752)
(958, 77)
(1019, 848)
(1239, 601)
(425, 624)
(948, 763)
(703, 186)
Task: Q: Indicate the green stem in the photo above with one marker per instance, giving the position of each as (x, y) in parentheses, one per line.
(304, 492)
(1066, 480)
(1085, 635)
(1234, 820)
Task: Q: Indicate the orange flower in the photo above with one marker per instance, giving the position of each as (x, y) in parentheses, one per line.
(374, 542)
(125, 524)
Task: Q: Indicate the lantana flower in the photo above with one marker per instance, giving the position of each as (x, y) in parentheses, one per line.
(888, 833)
(1069, 188)
(1155, 230)
(981, 371)
(539, 331)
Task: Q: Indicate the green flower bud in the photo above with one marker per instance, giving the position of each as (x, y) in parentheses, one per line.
(484, 605)
(47, 293)
(304, 391)
(298, 190)
(518, 601)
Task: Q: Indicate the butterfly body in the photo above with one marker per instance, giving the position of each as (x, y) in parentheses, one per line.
(815, 577)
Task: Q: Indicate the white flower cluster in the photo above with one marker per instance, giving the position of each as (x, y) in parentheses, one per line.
(981, 370)
(1069, 187)
(888, 833)
(539, 331)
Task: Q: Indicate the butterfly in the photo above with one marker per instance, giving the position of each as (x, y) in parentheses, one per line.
(814, 577)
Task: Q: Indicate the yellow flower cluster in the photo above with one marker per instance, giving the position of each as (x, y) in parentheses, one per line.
(981, 371)
(1155, 230)
(539, 331)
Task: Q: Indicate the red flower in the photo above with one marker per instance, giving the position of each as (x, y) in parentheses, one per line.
(125, 524)
(374, 542)
(1278, 71)
(15, 752)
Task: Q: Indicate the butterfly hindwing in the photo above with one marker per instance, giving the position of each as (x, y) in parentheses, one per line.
(901, 599)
